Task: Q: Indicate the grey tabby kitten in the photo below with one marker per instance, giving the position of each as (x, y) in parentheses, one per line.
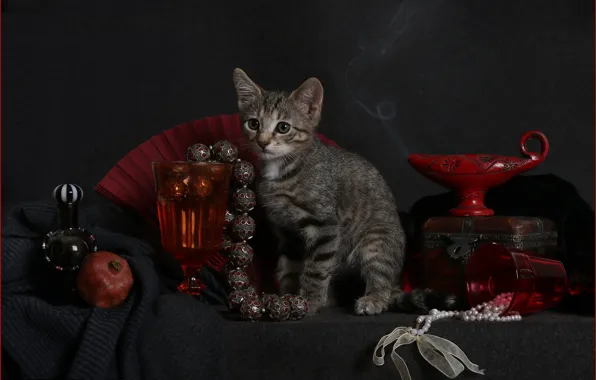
(329, 208)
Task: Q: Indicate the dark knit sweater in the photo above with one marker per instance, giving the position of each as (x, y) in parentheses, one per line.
(133, 341)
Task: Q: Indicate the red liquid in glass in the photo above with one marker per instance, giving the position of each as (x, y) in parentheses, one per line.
(191, 229)
(192, 200)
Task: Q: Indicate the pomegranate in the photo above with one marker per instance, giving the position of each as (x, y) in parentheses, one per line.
(105, 280)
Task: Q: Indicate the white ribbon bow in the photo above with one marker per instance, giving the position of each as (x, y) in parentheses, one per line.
(439, 352)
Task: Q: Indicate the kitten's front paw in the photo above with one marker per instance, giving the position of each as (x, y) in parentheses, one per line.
(313, 307)
(370, 305)
(314, 303)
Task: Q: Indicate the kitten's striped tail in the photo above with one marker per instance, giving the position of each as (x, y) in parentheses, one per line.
(422, 300)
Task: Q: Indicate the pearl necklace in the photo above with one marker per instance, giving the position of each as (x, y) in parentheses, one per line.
(488, 311)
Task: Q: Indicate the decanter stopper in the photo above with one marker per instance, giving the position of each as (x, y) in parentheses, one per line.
(66, 247)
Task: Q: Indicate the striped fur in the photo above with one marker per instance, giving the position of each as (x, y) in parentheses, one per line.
(328, 207)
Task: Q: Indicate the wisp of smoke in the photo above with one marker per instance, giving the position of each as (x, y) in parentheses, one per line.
(373, 54)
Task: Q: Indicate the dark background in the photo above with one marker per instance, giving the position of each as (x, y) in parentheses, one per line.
(83, 82)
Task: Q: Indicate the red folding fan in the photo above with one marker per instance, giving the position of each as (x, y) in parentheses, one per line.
(130, 182)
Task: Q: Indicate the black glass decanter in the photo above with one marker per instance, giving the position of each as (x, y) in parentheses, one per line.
(66, 247)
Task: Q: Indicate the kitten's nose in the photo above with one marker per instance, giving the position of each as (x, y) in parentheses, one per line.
(263, 143)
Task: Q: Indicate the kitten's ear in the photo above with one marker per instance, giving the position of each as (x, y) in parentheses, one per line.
(309, 98)
(247, 90)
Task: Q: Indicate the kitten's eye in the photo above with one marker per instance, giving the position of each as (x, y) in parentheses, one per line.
(253, 124)
(283, 127)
